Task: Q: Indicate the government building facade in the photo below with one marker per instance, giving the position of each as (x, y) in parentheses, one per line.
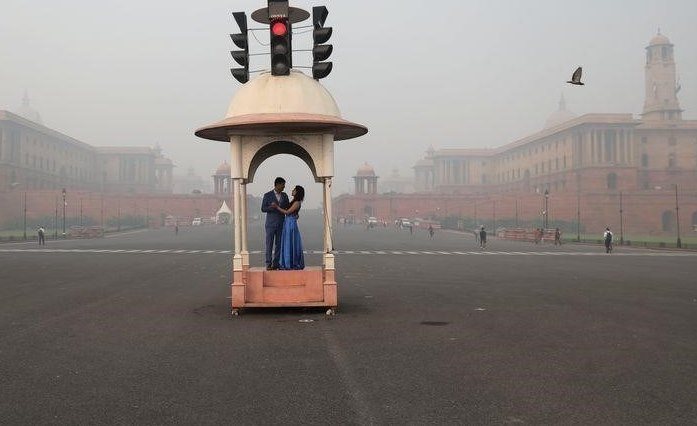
(35, 157)
(586, 161)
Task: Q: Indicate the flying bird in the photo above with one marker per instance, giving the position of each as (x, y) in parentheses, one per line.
(576, 77)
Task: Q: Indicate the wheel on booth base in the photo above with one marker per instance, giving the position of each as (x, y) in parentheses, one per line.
(234, 312)
(331, 311)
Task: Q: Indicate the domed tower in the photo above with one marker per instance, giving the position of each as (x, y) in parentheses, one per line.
(661, 101)
(562, 115)
(221, 180)
(366, 180)
(26, 110)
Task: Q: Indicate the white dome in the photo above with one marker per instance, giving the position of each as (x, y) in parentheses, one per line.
(293, 104)
(26, 111)
(295, 93)
(562, 115)
(659, 39)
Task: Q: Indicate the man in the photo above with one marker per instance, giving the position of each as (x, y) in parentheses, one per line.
(557, 237)
(42, 236)
(274, 221)
(607, 237)
(482, 238)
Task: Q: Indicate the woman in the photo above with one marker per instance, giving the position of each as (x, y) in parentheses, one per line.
(291, 243)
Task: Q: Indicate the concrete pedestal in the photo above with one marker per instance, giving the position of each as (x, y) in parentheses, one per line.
(257, 287)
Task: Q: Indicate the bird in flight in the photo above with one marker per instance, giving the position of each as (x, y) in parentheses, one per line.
(576, 77)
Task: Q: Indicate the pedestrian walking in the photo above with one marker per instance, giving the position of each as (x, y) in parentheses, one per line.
(482, 238)
(430, 231)
(557, 237)
(42, 235)
(176, 229)
(607, 237)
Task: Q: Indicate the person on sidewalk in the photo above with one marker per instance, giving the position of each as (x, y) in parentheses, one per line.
(42, 236)
(607, 237)
(482, 238)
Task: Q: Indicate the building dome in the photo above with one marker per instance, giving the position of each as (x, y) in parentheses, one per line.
(365, 170)
(562, 115)
(424, 162)
(294, 103)
(659, 39)
(223, 169)
(27, 112)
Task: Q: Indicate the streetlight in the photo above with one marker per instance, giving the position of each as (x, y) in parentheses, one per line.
(494, 213)
(55, 222)
(475, 213)
(546, 212)
(64, 205)
(578, 216)
(677, 216)
(516, 212)
(25, 215)
(621, 222)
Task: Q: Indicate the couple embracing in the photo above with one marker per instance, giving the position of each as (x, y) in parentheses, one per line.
(284, 247)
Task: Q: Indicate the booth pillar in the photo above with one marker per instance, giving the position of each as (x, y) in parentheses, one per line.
(244, 216)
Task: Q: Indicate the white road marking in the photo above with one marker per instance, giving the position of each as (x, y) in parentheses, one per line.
(368, 252)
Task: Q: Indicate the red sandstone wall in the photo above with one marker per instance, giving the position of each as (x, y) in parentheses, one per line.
(642, 210)
(43, 204)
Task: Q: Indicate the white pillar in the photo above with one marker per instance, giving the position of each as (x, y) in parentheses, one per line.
(236, 175)
(328, 243)
(243, 215)
(328, 171)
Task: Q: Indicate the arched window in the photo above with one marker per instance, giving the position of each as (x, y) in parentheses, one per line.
(694, 219)
(668, 220)
(612, 181)
(671, 160)
(644, 160)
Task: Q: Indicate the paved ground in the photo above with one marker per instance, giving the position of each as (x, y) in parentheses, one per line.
(136, 329)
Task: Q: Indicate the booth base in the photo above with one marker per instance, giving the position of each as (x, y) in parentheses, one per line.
(259, 288)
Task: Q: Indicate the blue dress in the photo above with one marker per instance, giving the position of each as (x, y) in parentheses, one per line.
(291, 244)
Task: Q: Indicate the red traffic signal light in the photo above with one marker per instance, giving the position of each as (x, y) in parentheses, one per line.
(279, 28)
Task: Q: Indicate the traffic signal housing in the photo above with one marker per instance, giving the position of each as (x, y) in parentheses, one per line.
(281, 49)
(241, 40)
(320, 51)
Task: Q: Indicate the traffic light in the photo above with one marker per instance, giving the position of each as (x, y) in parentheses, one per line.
(241, 56)
(281, 51)
(320, 51)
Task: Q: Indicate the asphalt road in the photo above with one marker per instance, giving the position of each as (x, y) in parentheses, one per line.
(135, 329)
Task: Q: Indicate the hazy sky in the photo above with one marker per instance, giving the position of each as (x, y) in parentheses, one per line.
(448, 73)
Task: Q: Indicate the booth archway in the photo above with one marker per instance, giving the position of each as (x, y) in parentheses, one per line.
(273, 115)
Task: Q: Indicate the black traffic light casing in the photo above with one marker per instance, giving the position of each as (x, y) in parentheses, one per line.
(281, 46)
(241, 40)
(320, 51)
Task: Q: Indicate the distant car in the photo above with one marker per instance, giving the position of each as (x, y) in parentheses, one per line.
(406, 223)
(372, 222)
(197, 221)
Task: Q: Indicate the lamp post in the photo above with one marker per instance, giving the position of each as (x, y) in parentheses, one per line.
(546, 217)
(55, 222)
(80, 211)
(578, 216)
(494, 214)
(64, 205)
(25, 215)
(516, 212)
(118, 214)
(677, 216)
(475, 213)
(621, 222)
